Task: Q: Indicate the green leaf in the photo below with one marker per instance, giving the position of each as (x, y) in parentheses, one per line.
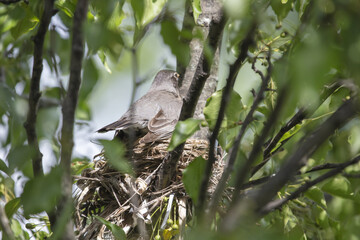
(12, 206)
(338, 186)
(24, 25)
(301, 6)
(171, 37)
(281, 8)
(19, 233)
(152, 9)
(18, 157)
(315, 194)
(99, 36)
(48, 122)
(79, 164)
(138, 8)
(196, 9)
(41, 193)
(233, 110)
(103, 59)
(183, 130)
(90, 78)
(192, 177)
(117, 231)
(53, 92)
(83, 111)
(103, 11)
(4, 168)
(66, 6)
(145, 11)
(115, 154)
(227, 137)
(117, 16)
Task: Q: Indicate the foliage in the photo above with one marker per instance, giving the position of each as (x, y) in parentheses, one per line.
(313, 46)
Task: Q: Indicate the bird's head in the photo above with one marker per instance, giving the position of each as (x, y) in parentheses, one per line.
(166, 80)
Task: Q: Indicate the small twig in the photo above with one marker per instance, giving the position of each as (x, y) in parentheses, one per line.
(256, 150)
(8, 2)
(280, 202)
(190, 101)
(86, 178)
(234, 69)
(257, 70)
(135, 73)
(298, 159)
(5, 225)
(255, 182)
(324, 167)
(234, 150)
(116, 198)
(34, 94)
(44, 102)
(296, 119)
(352, 175)
(68, 109)
(186, 27)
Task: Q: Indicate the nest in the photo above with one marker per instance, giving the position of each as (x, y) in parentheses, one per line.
(133, 202)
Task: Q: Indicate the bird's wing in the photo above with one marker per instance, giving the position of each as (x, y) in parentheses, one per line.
(160, 127)
(122, 123)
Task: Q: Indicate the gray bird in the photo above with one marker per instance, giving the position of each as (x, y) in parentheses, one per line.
(154, 116)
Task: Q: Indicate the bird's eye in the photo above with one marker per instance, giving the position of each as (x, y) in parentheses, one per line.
(176, 75)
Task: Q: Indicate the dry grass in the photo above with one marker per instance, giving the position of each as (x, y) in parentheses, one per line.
(129, 201)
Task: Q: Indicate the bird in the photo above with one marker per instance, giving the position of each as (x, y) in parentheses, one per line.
(152, 117)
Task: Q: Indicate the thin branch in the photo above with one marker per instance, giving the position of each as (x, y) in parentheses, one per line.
(302, 114)
(234, 150)
(5, 225)
(298, 159)
(34, 95)
(8, 2)
(308, 146)
(44, 102)
(192, 96)
(135, 73)
(352, 175)
(324, 167)
(187, 26)
(255, 182)
(276, 204)
(256, 150)
(69, 107)
(234, 69)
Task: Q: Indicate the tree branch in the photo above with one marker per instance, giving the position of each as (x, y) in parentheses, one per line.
(276, 204)
(323, 167)
(8, 2)
(234, 69)
(189, 102)
(69, 107)
(298, 159)
(5, 225)
(302, 114)
(34, 95)
(256, 150)
(187, 25)
(234, 150)
(309, 145)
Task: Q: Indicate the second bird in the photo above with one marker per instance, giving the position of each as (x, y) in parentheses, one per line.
(153, 117)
